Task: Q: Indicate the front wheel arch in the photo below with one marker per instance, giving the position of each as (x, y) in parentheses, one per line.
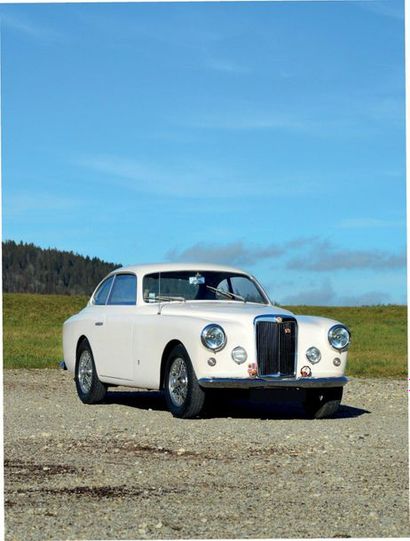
(167, 350)
(193, 400)
(82, 339)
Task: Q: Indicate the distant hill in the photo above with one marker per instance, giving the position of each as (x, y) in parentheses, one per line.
(30, 269)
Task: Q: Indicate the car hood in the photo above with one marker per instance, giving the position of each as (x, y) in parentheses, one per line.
(221, 310)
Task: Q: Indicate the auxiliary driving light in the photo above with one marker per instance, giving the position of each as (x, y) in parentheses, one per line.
(212, 361)
(337, 361)
(239, 355)
(313, 355)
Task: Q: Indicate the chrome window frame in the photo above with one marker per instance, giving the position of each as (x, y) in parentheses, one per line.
(92, 302)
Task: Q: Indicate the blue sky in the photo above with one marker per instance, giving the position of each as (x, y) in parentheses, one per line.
(267, 135)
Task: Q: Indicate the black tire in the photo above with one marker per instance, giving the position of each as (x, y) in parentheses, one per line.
(90, 390)
(190, 399)
(321, 403)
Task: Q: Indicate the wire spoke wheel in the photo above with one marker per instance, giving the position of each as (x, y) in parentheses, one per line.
(85, 371)
(178, 381)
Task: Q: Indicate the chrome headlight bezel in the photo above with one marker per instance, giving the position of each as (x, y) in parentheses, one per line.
(339, 347)
(205, 337)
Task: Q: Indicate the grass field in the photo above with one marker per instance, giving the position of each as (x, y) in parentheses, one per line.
(32, 333)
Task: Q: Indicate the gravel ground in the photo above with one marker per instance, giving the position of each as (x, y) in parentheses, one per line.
(128, 470)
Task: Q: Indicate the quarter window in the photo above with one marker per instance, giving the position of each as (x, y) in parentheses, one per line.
(124, 290)
(100, 296)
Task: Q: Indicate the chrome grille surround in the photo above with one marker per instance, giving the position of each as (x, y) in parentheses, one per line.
(276, 346)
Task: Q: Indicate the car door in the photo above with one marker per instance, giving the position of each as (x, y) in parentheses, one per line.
(117, 329)
(96, 318)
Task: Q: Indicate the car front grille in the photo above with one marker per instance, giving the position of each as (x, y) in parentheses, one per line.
(276, 346)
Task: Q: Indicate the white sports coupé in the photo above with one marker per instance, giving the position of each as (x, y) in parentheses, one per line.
(189, 328)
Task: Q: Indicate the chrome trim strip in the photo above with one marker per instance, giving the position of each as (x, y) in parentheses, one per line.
(270, 383)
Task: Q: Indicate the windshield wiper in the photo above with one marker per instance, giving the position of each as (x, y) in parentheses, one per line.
(164, 298)
(227, 293)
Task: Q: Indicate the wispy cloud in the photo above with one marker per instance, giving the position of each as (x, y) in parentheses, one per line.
(369, 223)
(236, 253)
(324, 294)
(337, 115)
(25, 202)
(192, 180)
(29, 28)
(324, 257)
(385, 8)
(312, 254)
(226, 66)
(242, 119)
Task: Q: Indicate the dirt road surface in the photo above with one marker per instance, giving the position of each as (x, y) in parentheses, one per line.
(127, 469)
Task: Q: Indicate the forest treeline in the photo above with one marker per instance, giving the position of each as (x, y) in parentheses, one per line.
(30, 269)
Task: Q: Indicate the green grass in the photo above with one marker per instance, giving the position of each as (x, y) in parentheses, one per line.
(32, 327)
(379, 337)
(33, 324)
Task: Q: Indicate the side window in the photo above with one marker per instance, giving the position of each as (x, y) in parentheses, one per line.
(101, 294)
(124, 290)
(151, 287)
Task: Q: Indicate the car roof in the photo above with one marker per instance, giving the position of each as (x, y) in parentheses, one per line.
(165, 267)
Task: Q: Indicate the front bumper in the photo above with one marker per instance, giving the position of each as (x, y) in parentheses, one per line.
(272, 383)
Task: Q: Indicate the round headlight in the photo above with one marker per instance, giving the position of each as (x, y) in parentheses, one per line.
(339, 337)
(213, 337)
(239, 355)
(313, 355)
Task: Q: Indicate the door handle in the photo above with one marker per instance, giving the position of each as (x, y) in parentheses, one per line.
(99, 323)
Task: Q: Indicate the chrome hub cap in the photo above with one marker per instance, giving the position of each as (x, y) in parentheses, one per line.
(178, 381)
(85, 371)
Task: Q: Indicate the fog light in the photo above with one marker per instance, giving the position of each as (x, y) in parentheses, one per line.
(212, 361)
(239, 355)
(305, 372)
(337, 361)
(313, 355)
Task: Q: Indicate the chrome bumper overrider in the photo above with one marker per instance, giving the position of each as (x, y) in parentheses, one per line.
(272, 382)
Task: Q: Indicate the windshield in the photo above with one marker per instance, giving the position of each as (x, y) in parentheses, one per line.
(201, 286)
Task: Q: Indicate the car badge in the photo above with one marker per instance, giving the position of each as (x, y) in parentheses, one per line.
(278, 319)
